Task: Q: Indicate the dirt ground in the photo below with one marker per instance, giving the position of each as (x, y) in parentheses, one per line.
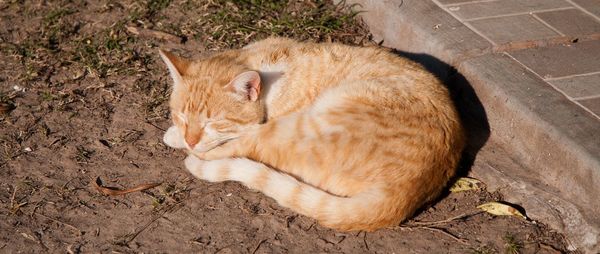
(83, 95)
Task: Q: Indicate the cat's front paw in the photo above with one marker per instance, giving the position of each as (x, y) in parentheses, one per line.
(174, 138)
(193, 164)
(207, 170)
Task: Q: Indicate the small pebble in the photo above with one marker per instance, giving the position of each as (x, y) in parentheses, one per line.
(18, 88)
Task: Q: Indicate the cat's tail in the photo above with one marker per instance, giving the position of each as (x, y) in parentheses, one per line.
(365, 211)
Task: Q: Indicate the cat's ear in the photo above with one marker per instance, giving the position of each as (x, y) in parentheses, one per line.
(246, 85)
(177, 66)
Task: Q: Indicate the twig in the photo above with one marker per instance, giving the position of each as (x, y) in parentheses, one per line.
(155, 126)
(15, 207)
(69, 250)
(365, 240)
(341, 240)
(222, 248)
(309, 227)
(37, 239)
(65, 185)
(429, 225)
(433, 223)
(140, 230)
(327, 241)
(258, 246)
(12, 198)
(460, 240)
(549, 248)
(116, 192)
(60, 222)
(155, 218)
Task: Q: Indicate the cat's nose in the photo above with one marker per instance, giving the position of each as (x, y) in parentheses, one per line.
(191, 145)
(193, 135)
(192, 140)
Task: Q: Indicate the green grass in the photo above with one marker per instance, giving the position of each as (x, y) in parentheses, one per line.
(47, 96)
(5, 98)
(155, 6)
(83, 154)
(234, 23)
(54, 16)
(511, 244)
(55, 29)
(109, 52)
(157, 95)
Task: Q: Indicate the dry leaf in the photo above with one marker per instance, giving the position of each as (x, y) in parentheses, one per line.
(28, 236)
(111, 191)
(501, 209)
(465, 184)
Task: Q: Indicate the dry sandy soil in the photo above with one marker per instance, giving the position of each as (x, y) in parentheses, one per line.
(83, 95)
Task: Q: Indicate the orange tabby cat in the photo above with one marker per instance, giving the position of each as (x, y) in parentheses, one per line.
(357, 138)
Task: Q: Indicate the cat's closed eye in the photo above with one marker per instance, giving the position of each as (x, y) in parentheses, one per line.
(221, 125)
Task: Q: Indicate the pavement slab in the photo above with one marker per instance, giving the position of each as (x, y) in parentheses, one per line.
(590, 6)
(534, 69)
(484, 9)
(561, 60)
(512, 28)
(570, 22)
(577, 87)
(592, 105)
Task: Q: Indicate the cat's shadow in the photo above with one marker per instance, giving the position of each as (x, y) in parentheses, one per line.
(470, 109)
(268, 78)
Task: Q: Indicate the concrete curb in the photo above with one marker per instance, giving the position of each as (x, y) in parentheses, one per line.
(551, 146)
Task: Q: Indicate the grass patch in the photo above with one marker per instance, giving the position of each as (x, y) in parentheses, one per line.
(230, 24)
(46, 96)
(157, 94)
(155, 6)
(83, 155)
(55, 29)
(54, 16)
(511, 244)
(111, 51)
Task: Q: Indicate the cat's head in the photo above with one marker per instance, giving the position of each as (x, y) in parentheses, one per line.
(213, 100)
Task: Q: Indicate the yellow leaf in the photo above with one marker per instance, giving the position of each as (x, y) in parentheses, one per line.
(501, 209)
(465, 184)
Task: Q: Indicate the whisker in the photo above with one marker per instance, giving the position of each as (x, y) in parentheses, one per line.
(215, 143)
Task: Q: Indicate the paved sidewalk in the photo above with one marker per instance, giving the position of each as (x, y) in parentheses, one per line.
(557, 40)
(530, 95)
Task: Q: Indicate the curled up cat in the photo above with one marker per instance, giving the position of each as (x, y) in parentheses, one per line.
(356, 137)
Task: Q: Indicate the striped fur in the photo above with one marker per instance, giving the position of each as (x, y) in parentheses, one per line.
(356, 138)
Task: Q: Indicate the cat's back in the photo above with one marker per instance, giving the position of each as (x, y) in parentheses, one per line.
(367, 78)
(314, 67)
(297, 73)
